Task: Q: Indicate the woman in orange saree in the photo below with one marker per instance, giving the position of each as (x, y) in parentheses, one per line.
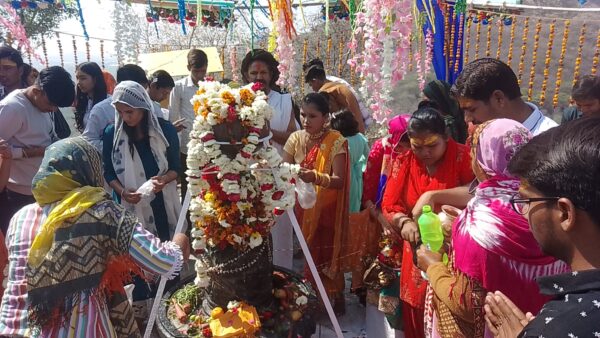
(323, 155)
(435, 162)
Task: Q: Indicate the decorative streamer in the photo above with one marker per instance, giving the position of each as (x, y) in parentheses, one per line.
(80, 11)
(488, 43)
(468, 40)
(16, 31)
(512, 40)
(75, 51)
(477, 39)
(198, 12)
(547, 61)
(446, 28)
(328, 55)
(561, 63)
(181, 11)
(500, 32)
(523, 50)
(579, 54)
(596, 58)
(341, 58)
(45, 51)
(102, 53)
(60, 50)
(459, 43)
(536, 45)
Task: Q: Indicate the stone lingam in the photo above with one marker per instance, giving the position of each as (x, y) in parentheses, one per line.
(238, 186)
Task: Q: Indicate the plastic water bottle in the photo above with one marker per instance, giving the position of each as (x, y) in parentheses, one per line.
(430, 227)
(432, 234)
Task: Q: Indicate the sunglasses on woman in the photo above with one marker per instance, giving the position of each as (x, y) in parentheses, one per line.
(521, 205)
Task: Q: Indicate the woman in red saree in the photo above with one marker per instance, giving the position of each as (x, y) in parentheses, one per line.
(323, 155)
(435, 162)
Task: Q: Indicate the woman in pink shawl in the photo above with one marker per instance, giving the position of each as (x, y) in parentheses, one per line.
(491, 248)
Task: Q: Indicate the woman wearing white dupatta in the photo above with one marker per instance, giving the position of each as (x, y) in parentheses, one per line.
(141, 147)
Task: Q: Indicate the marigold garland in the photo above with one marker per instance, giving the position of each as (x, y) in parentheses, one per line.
(223, 63)
(410, 55)
(512, 40)
(523, 50)
(468, 40)
(561, 62)
(477, 39)
(328, 55)
(304, 56)
(547, 63)
(45, 51)
(500, 32)
(451, 56)
(536, 45)
(596, 58)
(60, 50)
(488, 43)
(459, 42)
(446, 28)
(579, 54)
(341, 58)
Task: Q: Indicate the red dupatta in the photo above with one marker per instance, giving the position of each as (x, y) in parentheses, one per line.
(410, 180)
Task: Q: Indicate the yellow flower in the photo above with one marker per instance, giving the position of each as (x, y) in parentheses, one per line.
(216, 313)
(210, 197)
(228, 98)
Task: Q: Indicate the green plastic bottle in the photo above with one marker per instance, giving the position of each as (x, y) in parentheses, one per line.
(430, 227)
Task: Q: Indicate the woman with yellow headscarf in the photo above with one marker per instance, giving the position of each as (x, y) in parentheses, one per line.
(71, 252)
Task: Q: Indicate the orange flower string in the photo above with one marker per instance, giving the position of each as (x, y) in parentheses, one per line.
(459, 43)
(446, 28)
(561, 62)
(328, 56)
(596, 58)
(341, 58)
(488, 44)
(547, 63)
(468, 40)
(500, 32)
(523, 50)
(512, 40)
(410, 54)
(579, 54)
(451, 57)
(536, 45)
(477, 39)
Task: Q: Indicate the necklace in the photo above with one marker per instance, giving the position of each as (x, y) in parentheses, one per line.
(317, 135)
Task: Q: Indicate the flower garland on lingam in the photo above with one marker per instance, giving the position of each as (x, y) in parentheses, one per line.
(234, 200)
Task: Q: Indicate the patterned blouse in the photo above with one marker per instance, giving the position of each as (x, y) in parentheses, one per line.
(90, 317)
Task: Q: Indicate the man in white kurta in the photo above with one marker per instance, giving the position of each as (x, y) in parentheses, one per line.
(261, 66)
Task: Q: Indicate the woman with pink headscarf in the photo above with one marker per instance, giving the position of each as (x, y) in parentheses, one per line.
(491, 247)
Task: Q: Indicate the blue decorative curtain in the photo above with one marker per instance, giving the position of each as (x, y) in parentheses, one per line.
(444, 64)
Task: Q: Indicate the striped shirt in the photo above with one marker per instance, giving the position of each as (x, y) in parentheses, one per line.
(90, 317)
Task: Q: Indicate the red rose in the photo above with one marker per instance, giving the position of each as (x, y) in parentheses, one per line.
(256, 86)
(278, 212)
(231, 176)
(231, 113)
(207, 137)
(233, 197)
(206, 332)
(245, 154)
(266, 187)
(277, 195)
(209, 78)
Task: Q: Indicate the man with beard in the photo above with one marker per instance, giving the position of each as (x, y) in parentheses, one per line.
(260, 66)
(559, 197)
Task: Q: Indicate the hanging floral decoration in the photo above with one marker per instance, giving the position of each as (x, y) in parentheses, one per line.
(126, 24)
(523, 50)
(561, 63)
(234, 200)
(11, 21)
(536, 45)
(386, 26)
(281, 14)
(596, 58)
(579, 57)
(60, 50)
(547, 61)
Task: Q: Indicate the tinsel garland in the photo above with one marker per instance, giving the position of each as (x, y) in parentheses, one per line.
(127, 37)
(561, 63)
(181, 10)
(285, 47)
(381, 21)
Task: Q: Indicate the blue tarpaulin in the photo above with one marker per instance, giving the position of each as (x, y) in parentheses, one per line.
(443, 65)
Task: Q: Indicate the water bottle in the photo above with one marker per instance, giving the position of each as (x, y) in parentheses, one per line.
(432, 234)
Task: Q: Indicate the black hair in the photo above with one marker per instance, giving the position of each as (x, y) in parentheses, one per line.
(345, 123)
(56, 82)
(480, 78)
(564, 162)
(100, 92)
(428, 104)
(162, 79)
(314, 72)
(132, 135)
(427, 119)
(314, 62)
(131, 72)
(7, 52)
(26, 71)
(263, 56)
(319, 101)
(197, 58)
(586, 88)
